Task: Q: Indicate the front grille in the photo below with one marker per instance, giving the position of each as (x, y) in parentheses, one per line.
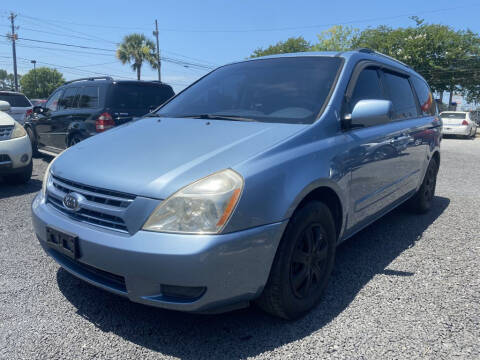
(101, 207)
(5, 132)
(5, 158)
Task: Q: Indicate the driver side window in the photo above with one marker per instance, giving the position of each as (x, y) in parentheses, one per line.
(368, 87)
(52, 103)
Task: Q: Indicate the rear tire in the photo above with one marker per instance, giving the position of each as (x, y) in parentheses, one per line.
(22, 177)
(303, 263)
(421, 202)
(74, 139)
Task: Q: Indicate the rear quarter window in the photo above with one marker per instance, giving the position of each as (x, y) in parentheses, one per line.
(425, 97)
(139, 96)
(16, 100)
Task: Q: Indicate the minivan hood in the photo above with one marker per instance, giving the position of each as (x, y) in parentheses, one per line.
(155, 157)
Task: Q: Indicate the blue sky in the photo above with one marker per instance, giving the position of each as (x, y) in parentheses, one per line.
(204, 32)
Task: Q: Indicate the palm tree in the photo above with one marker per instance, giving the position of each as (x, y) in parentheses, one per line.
(135, 49)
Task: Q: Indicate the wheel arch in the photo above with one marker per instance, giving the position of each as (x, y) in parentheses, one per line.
(330, 197)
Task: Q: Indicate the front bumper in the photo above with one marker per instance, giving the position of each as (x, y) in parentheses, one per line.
(463, 130)
(15, 149)
(231, 267)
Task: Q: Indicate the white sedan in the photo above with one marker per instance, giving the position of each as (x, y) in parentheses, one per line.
(458, 123)
(15, 149)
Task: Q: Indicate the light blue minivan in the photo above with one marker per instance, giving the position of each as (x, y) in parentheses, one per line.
(240, 188)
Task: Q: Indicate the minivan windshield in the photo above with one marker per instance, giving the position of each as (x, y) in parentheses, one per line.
(283, 90)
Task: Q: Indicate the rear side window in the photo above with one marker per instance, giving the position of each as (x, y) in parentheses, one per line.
(401, 95)
(425, 97)
(69, 99)
(89, 96)
(52, 103)
(367, 87)
(15, 100)
(139, 97)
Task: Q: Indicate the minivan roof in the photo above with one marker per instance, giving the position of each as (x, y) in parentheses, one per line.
(359, 54)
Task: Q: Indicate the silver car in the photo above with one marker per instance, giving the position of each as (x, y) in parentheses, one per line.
(20, 106)
(458, 123)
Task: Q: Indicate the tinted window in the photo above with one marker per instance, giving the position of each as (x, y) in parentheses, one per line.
(367, 87)
(52, 103)
(401, 95)
(89, 97)
(68, 100)
(453, 115)
(425, 97)
(290, 90)
(139, 96)
(15, 100)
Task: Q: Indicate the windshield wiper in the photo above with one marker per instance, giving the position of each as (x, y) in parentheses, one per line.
(218, 117)
(152, 115)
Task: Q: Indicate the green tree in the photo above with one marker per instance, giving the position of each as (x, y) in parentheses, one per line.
(337, 38)
(7, 80)
(135, 50)
(41, 82)
(448, 59)
(291, 45)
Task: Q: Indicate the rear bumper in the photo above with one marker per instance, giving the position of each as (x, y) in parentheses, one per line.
(464, 130)
(230, 267)
(15, 149)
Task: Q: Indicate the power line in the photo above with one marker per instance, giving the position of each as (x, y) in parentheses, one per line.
(264, 29)
(168, 59)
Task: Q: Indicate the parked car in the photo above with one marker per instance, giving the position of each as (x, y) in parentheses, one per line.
(20, 106)
(38, 102)
(15, 149)
(84, 107)
(458, 123)
(240, 188)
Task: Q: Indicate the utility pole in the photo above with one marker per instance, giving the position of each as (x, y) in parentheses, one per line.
(14, 51)
(34, 62)
(158, 52)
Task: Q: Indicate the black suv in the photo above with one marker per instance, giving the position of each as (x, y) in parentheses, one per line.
(84, 107)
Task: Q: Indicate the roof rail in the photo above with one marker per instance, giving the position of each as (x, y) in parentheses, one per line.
(370, 51)
(365, 50)
(90, 79)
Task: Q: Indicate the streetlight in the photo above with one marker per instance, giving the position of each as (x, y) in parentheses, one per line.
(34, 62)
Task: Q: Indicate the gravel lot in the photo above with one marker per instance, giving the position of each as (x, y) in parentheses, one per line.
(406, 287)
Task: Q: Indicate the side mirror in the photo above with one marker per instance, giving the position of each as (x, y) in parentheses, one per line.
(38, 110)
(4, 106)
(370, 113)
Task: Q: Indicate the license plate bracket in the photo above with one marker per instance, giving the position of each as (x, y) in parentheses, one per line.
(65, 243)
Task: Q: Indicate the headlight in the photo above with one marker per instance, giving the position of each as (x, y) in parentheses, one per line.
(18, 131)
(202, 207)
(47, 178)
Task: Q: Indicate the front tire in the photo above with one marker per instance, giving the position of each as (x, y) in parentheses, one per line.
(421, 202)
(33, 142)
(303, 263)
(22, 177)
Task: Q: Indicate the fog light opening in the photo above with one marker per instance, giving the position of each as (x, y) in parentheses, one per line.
(182, 293)
(24, 158)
